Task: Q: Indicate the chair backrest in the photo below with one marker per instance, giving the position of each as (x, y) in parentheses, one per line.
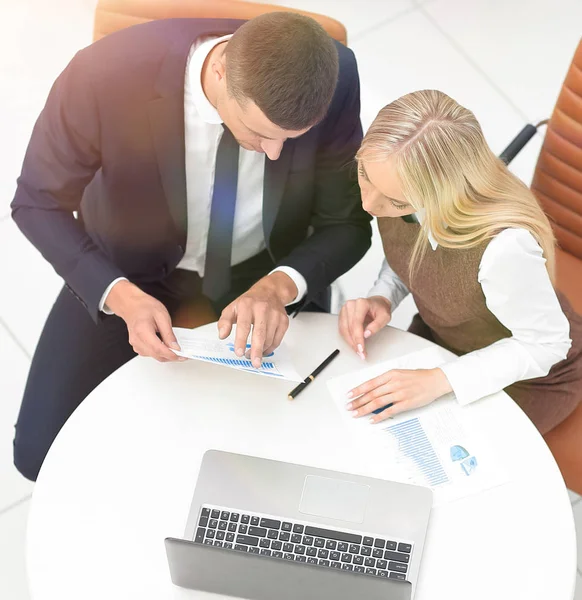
(557, 179)
(112, 15)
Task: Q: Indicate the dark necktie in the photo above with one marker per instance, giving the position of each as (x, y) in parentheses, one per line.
(216, 281)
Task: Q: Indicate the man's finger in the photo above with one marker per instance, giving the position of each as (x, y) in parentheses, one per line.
(278, 337)
(164, 326)
(244, 318)
(260, 333)
(226, 321)
(154, 347)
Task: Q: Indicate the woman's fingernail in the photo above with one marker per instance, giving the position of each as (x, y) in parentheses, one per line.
(182, 359)
(367, 333)
(174, 346)
(349, 406)
(239, 351)
(354, 413)
(361, 355)
(372, 420)
(222, 332)
(350, 394)
(360, 348)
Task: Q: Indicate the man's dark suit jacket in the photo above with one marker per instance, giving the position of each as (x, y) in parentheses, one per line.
(109, 145)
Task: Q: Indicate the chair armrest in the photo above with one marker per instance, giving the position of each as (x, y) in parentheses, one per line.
(519, 142)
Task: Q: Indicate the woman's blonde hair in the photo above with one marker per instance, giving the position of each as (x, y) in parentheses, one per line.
(447, 169)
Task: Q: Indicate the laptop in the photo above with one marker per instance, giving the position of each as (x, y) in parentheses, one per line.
(262, 529)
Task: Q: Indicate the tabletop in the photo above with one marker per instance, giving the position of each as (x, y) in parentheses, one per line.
(120, 477)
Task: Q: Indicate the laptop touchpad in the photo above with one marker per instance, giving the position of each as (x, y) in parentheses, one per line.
(334, 499)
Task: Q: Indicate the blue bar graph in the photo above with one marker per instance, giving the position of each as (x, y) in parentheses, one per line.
(238, 362)
(414, 445)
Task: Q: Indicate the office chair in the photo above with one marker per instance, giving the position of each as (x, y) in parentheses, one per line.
(557, 180)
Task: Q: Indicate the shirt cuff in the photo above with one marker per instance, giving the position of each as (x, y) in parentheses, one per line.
(393, 293)
(102, 306)
(462, 383)
(298, 280)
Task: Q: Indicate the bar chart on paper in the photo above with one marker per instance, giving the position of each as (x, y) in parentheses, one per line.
(415, 446)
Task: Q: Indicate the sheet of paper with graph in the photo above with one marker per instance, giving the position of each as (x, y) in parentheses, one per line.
(204, 345)
(439, 446)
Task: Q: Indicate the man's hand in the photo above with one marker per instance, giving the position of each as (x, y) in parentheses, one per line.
(263, 308)
(360, 319)
(145, 318)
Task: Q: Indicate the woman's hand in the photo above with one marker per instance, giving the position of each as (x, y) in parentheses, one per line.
(362, 318)
(398, 391)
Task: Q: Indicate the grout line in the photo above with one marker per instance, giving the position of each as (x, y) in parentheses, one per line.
(15, 504)
(474, 64)
(14, 338)
(358, 36)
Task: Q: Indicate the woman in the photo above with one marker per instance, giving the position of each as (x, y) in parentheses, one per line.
(477, 253)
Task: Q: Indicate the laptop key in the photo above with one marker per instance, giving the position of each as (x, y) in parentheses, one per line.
(215, 514)
(203, 522)
(331, 545)
(222, 525)
(205, 512)
(245, 519)
(208, 542)
(368, 541)
(254, 520)
(346, 558)
(213, 523)
(284, 536)
(381, 564)
(358, 569)
(299, 549)
(342, 536)
(298, 528)
(358, 560)
(288, 556)
(286, 527)
(370, 562)
(399, 556)
(219, 544)
(324, 563)
(404, 547)
(270, 523)
(311, 551)
(312, 561)
(220, 535)
(370, 571)
(247, 540)
(210, 533)
(390, 545)
(378, 553)
(319, 542)
(243, 529)
(398, 576)
(354, 549)
(265, 552)
(253, 550)
(277, 554)
(301, 559)
(323, 553)
(227, 545)
(288, 547)
(200, 535)
(336, 565)
(383, 573)
(258, 531)
(232, 527)
(366, 551)
(397, 567)
(241, 548)
(296, 538)
(342, 547)
(273, 534)
(277, 545)
(230, 537)
(335, 556)
(234, 517)
(225, 515)
(379, 543)
(347, 567)
(265, 543)
(307, 540)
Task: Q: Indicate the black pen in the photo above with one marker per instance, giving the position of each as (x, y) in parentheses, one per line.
(293, 393)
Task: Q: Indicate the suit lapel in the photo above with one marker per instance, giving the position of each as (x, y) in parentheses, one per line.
(167, 122)
(276, 173)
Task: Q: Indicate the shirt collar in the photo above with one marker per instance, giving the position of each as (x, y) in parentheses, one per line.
(203, 106)
(420, 216)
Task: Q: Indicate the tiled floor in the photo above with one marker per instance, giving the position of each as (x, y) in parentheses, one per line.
(504, 59)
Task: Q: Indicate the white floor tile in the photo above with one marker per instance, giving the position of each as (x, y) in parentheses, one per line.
(15, 365)
(31, 286)
(577, 508)
(37, 40)
(356, 17)
(524, 46)
(13, 580)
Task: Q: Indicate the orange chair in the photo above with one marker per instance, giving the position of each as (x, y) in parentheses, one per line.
(112, 15)
(557, 180)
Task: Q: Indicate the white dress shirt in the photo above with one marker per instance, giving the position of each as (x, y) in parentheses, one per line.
(203, 130)
(518, 291)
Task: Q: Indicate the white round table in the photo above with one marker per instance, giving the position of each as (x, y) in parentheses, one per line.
(120, 476)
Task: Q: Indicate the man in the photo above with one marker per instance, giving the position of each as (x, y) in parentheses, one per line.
(148, 140)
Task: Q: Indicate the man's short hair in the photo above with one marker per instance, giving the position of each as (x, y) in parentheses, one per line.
(287, 64)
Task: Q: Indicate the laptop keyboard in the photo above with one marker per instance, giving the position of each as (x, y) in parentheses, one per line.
(304, 543)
